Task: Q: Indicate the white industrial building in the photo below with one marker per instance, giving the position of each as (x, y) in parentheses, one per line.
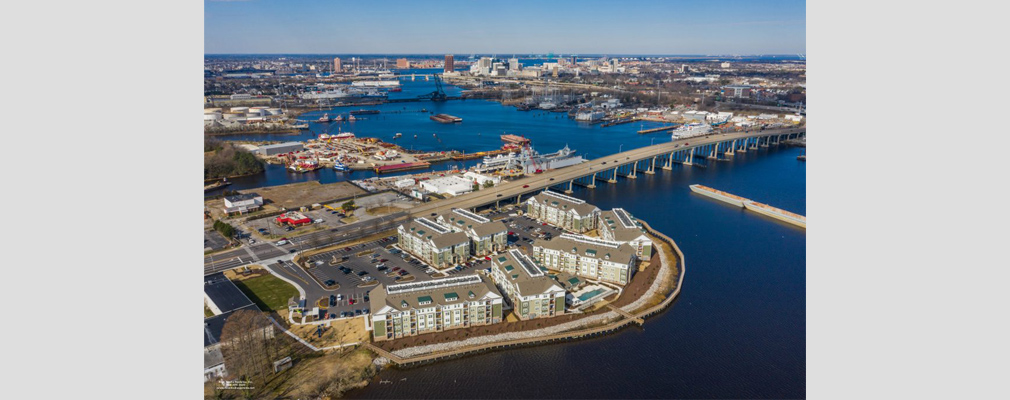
(481, 179)
(242, 203)
(453, 185)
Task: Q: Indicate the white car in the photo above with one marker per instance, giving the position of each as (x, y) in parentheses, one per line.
(282, 242)
(319, 221)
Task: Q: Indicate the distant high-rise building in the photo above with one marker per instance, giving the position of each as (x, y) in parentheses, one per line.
(448, 63)
(336, 64)
(514, 64)
(402, 63)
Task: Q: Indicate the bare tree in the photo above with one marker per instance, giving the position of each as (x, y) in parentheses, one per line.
(247, 347)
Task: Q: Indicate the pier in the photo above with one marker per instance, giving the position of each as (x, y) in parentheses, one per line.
(748, 204)
(660, 129)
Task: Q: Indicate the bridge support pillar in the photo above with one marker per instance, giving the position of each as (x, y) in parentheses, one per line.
(732, 149)
(690, 157)
(714, 154)
(592, 183)
(569, 191)
(634, 171)
(613, 178)
(519, 199)
(652, 167)
(669, 163)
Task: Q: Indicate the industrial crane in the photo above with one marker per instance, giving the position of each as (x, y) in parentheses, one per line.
(438, 94)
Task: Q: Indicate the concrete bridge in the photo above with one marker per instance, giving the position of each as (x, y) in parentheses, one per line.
(691, 151)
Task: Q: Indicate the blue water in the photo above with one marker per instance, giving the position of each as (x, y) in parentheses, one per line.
(483, 124)
(737, 330)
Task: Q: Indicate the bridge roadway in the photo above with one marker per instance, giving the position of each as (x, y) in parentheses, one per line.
(603, 165)
(599, 165)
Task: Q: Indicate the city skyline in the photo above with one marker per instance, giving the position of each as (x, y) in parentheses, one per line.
(398, 27)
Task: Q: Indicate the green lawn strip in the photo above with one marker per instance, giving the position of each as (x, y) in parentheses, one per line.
(268, 292)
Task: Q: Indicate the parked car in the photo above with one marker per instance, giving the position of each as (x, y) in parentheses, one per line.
(340, 297)
(357, 312)
(333, 300)
(362, 273)
(525, 186)
(282, 242)
(396, 268)
(350, 301)
(330, 282)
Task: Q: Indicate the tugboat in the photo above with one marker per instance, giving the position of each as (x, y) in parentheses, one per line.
(339, 118)
(340, 167)
(350, 118)
(325, 118)
(397, 135)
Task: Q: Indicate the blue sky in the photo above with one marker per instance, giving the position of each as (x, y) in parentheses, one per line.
(506, 26)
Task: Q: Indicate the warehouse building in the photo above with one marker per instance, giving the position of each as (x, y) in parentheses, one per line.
(453, 185)
(619, 226)
(587, 257)
(486, 236)
(417, 308)
(526, 286)
(562, 211)
(242, 203)
(436, 245)
(280, 148)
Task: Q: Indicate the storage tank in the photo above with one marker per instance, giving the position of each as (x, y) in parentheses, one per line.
(239, 109)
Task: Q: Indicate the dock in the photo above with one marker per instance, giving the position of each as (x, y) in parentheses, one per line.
(748, 204)
(660, 129)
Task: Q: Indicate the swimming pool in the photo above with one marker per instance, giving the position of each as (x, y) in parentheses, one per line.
(590, 294)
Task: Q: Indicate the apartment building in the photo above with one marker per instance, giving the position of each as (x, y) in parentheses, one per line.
(526, 286)
(436, 245)
(587, 257)
(562, 211)
(619, 226)
(417, 308)
(486, 236)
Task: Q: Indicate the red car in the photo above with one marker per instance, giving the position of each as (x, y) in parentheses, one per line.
(396, 269)
(488, 258)
(350, 301)
(525, 186)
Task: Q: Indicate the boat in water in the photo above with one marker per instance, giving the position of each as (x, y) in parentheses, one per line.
(350, 118)
(300, 126)
(341, 167)
(397, 135)
(529, 161)
(691, 130)
(325, 118)
(339, 118)
(343, 135)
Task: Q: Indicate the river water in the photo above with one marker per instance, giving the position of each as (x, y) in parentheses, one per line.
(738, 329)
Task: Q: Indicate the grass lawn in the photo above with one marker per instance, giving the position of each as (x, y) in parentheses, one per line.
(207, 313)
(268, 292)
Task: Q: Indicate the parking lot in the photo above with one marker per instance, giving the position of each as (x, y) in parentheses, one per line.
(524, 230)
(213, 241)
(359, 269)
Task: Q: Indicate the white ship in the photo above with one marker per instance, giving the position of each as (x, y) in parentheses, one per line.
(340, 93)
(691, 130)
(529, 161)
(378, 83)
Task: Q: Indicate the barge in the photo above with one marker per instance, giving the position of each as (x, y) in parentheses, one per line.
(401, 167)
(445, 118)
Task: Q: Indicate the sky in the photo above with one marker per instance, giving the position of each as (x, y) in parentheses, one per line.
(671, 27)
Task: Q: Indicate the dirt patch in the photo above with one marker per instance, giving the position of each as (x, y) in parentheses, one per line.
(382, 210)
(339, 332)
(304, 193)
(243, 274)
